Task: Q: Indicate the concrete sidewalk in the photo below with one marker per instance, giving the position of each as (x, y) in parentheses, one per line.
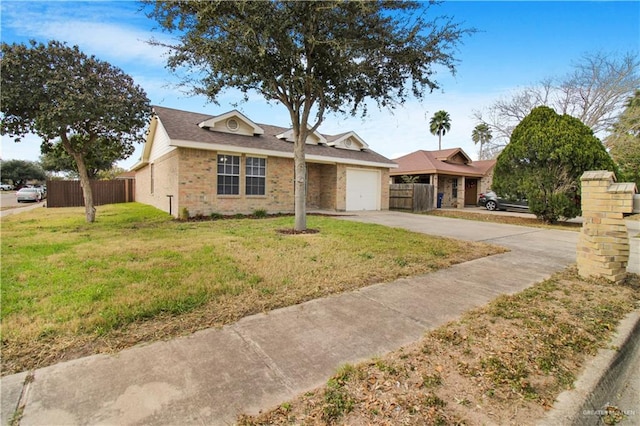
(266, 359)
(17, 210)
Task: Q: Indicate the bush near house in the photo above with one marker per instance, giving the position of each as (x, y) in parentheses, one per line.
(544, 160)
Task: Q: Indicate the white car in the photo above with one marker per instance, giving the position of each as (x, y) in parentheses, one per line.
(6, 187)
(29, 194)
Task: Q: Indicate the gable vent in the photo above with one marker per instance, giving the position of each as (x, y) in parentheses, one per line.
(232, 124)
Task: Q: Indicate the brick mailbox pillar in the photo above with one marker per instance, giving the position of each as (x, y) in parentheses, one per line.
(603, 245)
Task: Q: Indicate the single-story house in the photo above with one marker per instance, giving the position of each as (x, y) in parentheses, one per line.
(458, 179)
(227, 164)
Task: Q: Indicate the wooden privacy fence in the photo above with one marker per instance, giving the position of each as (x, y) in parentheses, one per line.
(417, 197)
(68, 193)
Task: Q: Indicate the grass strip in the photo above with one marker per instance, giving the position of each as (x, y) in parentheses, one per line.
(496, 217)
(504, 363)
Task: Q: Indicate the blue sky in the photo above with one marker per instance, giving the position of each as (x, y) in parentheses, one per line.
(517, 45)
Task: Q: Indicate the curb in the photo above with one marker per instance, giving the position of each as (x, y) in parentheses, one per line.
(601, 381)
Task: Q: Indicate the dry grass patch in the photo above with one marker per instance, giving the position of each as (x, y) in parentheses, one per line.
(504, 363)
(71, 288)
(485, 216)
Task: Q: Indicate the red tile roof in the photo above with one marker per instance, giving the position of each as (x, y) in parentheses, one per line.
(440, 162)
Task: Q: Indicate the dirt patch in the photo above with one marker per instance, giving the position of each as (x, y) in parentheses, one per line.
(294, 232)
(504, 363)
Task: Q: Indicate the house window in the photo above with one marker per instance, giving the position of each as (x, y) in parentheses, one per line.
(228, 175)
(256, 175)
(152, 178)
(454, 191)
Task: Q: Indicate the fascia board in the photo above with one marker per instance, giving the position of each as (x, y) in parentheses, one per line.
(148, 143)
(416, 172)
(438, 172)
(138, 165)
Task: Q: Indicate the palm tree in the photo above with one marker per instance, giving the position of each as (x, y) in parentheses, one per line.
(439, 125)
(482, 134)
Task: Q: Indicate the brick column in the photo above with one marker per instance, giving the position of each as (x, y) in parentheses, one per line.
(462, 188)
(434, 182)
(603, 246)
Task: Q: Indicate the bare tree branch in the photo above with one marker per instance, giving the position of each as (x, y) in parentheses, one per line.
(594, 92)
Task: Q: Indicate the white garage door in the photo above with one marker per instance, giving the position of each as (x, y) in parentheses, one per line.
(363, 189)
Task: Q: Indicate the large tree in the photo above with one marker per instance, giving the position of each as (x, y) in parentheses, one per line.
(313, 57)
(624, 141)
(594, 92)
(59, 93)
(439, 125)
(19, 172)
(544, 160)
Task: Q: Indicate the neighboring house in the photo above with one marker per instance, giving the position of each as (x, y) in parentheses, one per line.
(127, 175)
(458, 179)
(228, 164)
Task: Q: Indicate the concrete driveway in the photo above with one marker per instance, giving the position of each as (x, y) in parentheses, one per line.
(266, 359)
(548, 245)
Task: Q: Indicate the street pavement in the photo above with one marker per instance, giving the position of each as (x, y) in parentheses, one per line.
(263, 360)
(10, 206)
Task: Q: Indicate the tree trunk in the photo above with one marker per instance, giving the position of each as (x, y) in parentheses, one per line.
(300, 178)
(85, 183)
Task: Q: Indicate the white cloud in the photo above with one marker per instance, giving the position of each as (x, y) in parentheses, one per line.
(96, 33)
(111, 42)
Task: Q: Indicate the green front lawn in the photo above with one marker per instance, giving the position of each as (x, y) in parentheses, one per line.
(70, 288)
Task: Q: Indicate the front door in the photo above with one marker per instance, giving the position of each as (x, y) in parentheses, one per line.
(470, 192)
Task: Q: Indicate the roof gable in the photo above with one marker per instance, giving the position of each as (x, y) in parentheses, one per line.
(349, 140)
(233, 122)
(454, 155)
(314, 138)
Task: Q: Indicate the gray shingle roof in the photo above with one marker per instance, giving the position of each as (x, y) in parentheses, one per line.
(183, 125)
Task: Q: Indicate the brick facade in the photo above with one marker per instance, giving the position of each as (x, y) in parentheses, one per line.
(190, 175)
(485, 183)
(181, 160)
(154, 189)
(603, 246)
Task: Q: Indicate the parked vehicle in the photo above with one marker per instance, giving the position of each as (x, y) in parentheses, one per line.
(491, 201)
(6, 187)
(43, 190)
(29, 194)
